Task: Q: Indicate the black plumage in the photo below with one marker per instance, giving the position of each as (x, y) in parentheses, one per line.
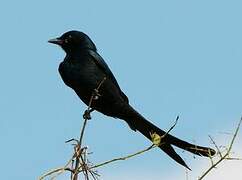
(83, 69)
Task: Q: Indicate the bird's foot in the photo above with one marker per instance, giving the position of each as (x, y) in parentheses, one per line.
(87, 114)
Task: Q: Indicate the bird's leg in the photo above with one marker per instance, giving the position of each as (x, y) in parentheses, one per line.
(95, 96)
(87, 114)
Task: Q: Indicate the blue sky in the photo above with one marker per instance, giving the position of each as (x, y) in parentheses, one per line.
(170, 58)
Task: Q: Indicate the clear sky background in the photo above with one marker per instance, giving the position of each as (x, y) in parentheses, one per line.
(170, 57)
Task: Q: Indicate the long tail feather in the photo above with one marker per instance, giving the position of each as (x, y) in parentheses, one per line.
(138, 122)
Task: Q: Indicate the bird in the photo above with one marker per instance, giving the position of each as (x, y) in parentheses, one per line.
(83, 69)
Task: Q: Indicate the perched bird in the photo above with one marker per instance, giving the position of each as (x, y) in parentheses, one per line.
(83, 69)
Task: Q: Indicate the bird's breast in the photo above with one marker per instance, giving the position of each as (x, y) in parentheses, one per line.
(83, 78)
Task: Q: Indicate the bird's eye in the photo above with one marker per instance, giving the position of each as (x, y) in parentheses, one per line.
(66, 40)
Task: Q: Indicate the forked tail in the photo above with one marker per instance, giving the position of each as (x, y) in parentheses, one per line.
(138, 122)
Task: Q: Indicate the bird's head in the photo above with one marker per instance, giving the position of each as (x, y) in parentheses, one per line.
(73, 41)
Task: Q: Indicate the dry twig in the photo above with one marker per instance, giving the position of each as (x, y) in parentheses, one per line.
(225, 156)
(86, 116)
(79, 162)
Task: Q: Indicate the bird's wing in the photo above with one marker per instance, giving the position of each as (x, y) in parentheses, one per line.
(104, 67)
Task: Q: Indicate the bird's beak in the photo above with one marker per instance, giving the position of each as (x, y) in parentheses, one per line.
(57, 41)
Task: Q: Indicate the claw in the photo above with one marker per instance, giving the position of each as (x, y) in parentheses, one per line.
(87, 115)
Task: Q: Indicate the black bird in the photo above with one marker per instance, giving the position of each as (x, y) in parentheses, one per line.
(83, 69)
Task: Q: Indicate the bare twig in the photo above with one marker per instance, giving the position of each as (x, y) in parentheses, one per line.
(155, 144)
(94, 96)
(79, 162)
(77, 149)
(177, 118)
(218, 150)
(124, 158)
(225, 156)
(57, 170)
